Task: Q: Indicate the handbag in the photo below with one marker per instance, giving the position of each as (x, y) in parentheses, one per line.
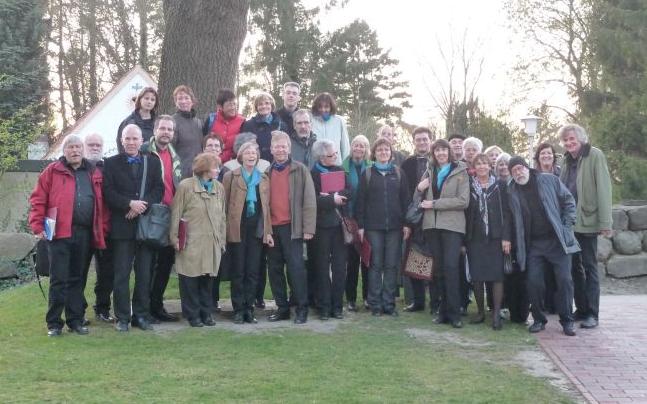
(414, 213)
(349, 227)
(153, 226)
(418, 265)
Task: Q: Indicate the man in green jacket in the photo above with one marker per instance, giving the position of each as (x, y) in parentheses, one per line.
(586, 175)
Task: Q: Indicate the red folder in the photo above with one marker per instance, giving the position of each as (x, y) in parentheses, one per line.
(182, 233)
(365, 252)
(333, 181)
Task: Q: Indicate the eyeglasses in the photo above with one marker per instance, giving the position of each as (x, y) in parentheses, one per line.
(332, 155)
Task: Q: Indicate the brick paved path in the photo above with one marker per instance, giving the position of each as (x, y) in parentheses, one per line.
(607, 364)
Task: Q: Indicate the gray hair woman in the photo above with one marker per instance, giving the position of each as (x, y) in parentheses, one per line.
(501, 168)
(330, 251)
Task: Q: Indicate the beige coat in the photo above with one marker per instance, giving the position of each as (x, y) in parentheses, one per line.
(448, 212)
(235, 194)
(205, 214)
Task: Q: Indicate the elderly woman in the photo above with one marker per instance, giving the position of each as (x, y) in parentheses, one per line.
(200, 203)
(143, 116)
(447, 194)
(501, 168)
(330, 255)
(471, 147)
(546, 159)
(492, 153)
(330, 126)
(248, 226)
(355, 165)
(382, 202)
(487, 236)
(264, 123)
(187, 139)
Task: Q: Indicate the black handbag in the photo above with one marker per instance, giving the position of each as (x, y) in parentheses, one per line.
(414, 211)
(153, 226)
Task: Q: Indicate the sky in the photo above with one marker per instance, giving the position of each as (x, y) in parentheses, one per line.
(416, 30)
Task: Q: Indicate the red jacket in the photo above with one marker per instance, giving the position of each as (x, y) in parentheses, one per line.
(227, 129)
(55, 188)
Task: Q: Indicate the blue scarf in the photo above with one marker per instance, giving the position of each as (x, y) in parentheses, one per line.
(321, 168)
(134, 160)
(281, 166)
(353, 178)
(442, 175)
(207, 184)
(326, 116)
(383, 167)
(251, 180)
(268, 119)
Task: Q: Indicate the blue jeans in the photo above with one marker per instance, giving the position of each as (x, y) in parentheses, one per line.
(383, 271)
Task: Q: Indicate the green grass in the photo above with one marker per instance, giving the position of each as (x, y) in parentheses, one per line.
(365, 359)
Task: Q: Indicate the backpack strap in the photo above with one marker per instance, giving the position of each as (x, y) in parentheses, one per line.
(212, 120)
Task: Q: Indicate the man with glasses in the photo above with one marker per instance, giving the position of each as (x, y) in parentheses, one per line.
(302, 138)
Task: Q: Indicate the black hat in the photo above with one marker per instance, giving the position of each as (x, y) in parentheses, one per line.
(455, 136)
(515, 161)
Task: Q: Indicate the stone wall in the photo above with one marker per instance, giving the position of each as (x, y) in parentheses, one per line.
(625, 254)
(15, 188)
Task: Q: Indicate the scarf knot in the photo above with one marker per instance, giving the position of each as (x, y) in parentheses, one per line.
(251, 181)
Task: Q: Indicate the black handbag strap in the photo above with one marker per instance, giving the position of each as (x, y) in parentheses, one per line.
(143, 187)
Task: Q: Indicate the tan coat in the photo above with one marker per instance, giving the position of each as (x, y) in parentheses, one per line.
(235, 194)
(448, 212)
(303, 201)
(205, 214)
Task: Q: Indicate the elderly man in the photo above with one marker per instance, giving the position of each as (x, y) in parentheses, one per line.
(302, 138)
(103, 258)
(69, 192)
(123, 176)
(586, 175)
(291, 97)
(543, 212)
(293, 208)
(163, 259)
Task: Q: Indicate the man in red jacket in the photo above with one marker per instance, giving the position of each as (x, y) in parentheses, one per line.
(68, 191)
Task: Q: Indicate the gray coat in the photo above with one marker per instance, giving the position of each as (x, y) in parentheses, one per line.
(559, 205)
(301, 151)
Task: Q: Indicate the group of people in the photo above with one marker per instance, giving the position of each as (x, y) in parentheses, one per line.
(252, 198)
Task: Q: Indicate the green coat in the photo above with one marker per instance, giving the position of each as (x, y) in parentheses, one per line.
(593, 190)
(448, 212)
(205, 214)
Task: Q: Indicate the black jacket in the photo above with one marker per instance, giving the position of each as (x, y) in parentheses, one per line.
(146, 125)
(263, 132)
(410, 169)
(326, 215)
(286, 117)
(382, 202)
(499, 221)
(120, 187)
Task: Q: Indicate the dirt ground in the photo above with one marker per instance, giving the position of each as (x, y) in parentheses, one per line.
(629, 286)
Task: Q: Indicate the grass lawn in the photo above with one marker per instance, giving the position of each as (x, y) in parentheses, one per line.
(358, 359)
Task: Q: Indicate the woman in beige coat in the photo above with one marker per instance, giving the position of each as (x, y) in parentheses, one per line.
(447, 195)
(247, 193)
(200, 203)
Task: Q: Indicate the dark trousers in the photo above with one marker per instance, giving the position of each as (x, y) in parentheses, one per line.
(353, 267)
(195, 296)
(224, 271)
(516, 297)
(330, 263)
(545, 255)
(262, 274)
(245, 264)
(447, 246)
(287, 252)
(105, 274)
(586, 278)
(124, 253)
(163, 261)
(68, 258)
(464, 285)
(383, 272)
(311, 271)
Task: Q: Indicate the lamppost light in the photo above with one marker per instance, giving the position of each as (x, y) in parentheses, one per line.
(530, 124)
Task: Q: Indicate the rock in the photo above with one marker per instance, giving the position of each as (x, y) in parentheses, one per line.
(8, 269)
(626, 266)
(605, 248)
(637, 218)
(620, 219)
(627, 242)
(16, 246)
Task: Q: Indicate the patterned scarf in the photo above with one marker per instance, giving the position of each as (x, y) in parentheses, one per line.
(482, 197)
(281, 166)
(251, 180)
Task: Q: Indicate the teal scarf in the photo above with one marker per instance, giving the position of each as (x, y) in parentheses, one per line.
(251, 180)
(383, 167)
(442, 174)
(321, 168)
(207, 184)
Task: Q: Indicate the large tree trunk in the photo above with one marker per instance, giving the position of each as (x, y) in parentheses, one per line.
(202, 43)
(142, 10)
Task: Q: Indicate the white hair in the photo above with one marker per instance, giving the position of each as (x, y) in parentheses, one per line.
(474, 141)
(320, 147)
(502, 157)
(72, 138)
(580, 132)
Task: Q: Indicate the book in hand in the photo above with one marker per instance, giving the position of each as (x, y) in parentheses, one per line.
(333, 181)
(50, 223)
(182, 233)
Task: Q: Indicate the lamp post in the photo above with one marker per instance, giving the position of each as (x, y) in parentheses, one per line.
(530, 127)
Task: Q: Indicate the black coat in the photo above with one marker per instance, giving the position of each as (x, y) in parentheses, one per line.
(326, 215)
(286, 117)
(410, 169)
(499, 220)
(263, 132)
(382, 202)
(146, 125)
(120, 187)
